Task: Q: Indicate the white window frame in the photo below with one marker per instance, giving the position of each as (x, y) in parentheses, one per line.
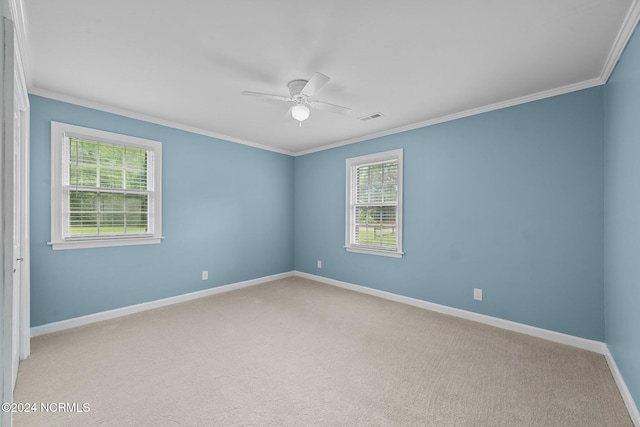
(351, 166)
(61, 132)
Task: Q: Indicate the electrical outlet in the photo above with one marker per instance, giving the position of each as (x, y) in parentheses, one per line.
(319, 264)
(477, 294)
(205, 275)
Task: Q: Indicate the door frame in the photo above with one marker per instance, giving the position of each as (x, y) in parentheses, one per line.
(23, 109)
(13, 99)
(6, 214)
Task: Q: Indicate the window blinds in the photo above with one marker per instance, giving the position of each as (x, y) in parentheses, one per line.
(375, 204)
(108, 189)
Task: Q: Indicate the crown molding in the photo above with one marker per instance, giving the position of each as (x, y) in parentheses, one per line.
(626, 30)
(20, 28)
(467, 113)
(143, 117)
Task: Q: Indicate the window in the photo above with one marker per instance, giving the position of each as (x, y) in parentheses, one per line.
(105, 188)
(374, 204)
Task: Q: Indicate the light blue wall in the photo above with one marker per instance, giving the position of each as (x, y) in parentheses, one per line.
(622, 215)
(508, 201)
(227, 208)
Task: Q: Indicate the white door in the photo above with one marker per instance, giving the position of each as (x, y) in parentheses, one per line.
(14, 215)
(20, 334)
(9, 264)
(17, 246)
(22, 115)
(11, 213)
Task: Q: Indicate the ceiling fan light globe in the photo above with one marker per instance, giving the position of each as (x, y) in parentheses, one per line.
(300, 112)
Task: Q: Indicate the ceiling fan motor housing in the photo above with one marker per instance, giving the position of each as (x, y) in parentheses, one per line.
(295, 88)
(301, 93)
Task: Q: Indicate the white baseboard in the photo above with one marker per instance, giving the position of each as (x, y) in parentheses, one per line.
(124, 311)
(583, 343)
(622, 386)
(591, 345)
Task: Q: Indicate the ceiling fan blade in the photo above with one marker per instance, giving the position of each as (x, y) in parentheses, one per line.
(268, 96)
(314, 84)
(325, 106)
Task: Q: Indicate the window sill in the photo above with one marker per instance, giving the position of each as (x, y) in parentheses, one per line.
(392, 254)
(101, 243)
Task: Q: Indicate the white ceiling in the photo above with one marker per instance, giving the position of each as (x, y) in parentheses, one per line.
(416, 61)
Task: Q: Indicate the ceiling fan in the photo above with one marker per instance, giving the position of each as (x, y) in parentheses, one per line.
(301, 93)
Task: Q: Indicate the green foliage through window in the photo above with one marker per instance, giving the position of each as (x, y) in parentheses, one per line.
(375, 192)
(108, 186)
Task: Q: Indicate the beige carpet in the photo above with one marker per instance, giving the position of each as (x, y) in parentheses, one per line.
(296, 352)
